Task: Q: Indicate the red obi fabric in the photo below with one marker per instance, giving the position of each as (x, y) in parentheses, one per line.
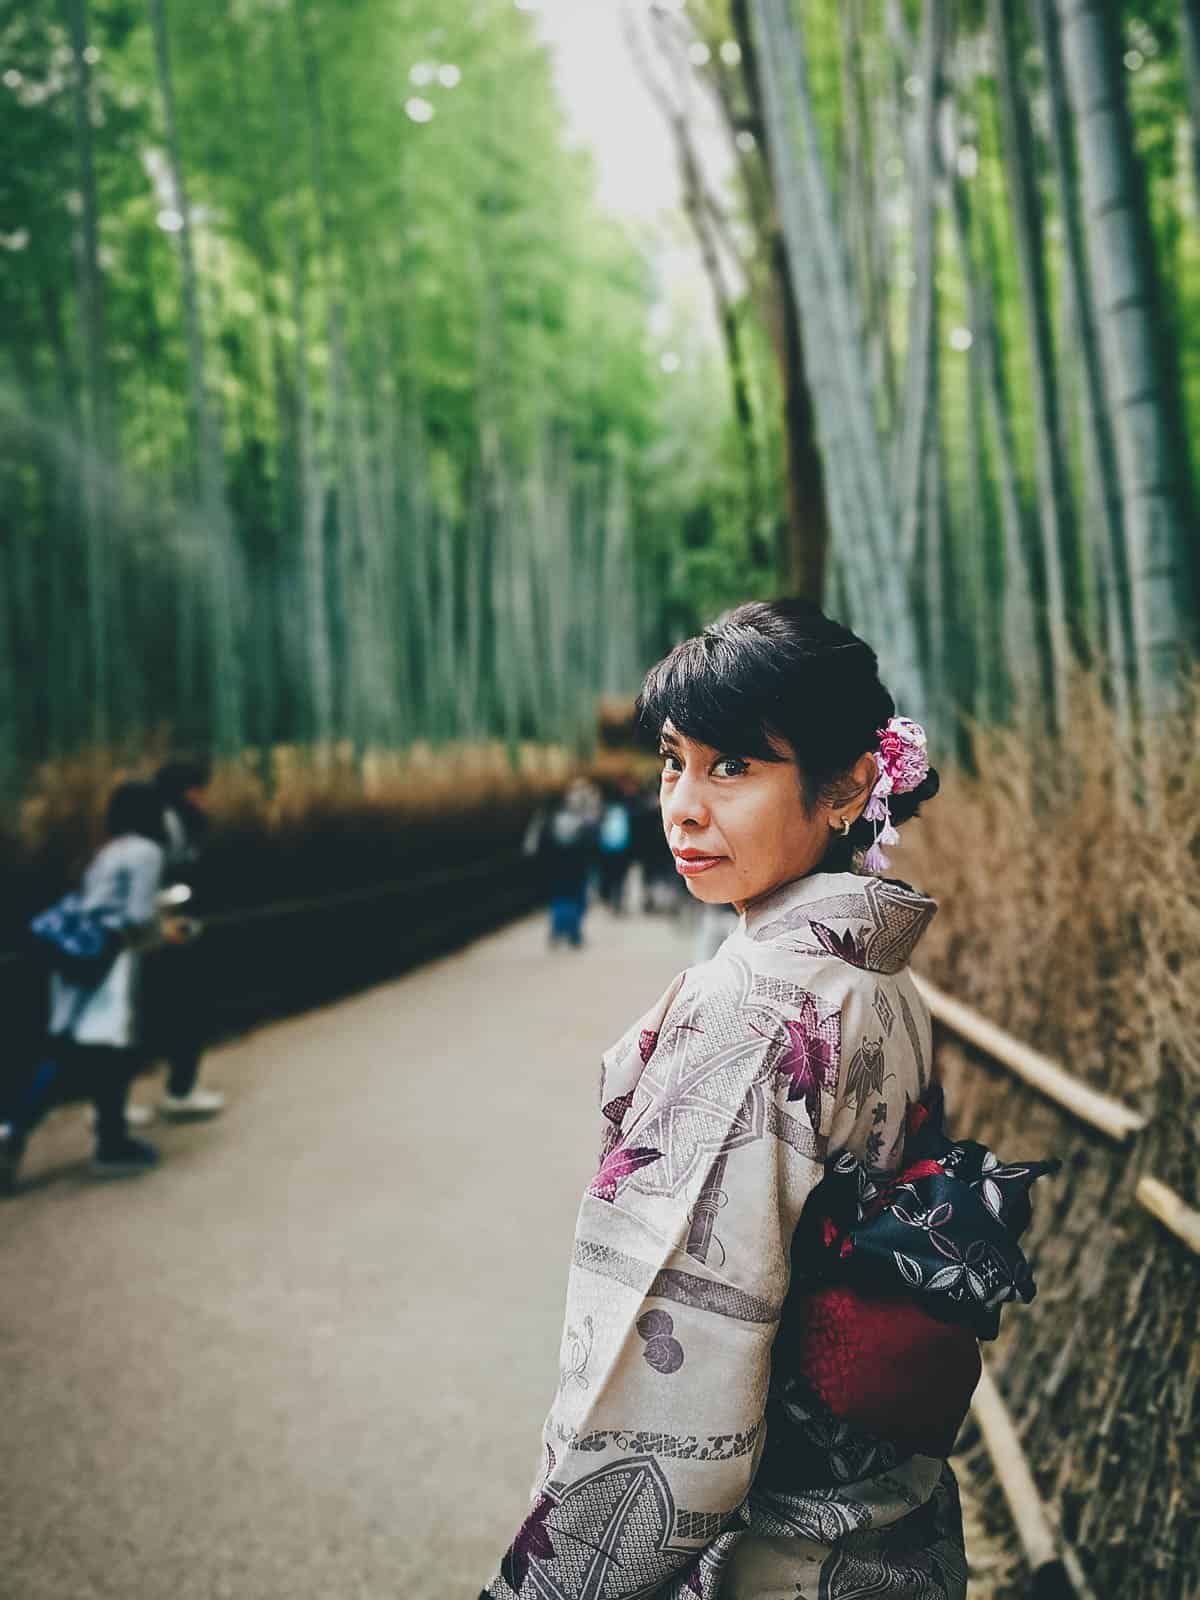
(887, 1367)
(896, 1277)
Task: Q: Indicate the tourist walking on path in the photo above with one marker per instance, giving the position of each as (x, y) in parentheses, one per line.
(660, 881)
(782, 1264)
(565, 841)
(179, 1001)
(615, 841)
(95, 1029)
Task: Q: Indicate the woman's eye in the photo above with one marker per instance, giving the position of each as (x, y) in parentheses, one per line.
(736, 763)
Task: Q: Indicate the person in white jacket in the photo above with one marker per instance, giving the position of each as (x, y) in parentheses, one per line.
(95, 1031)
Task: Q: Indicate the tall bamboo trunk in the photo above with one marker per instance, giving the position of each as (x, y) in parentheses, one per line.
(1099, 454)
(802, 560)
(225, 678)
(810, 230)
(1021, 653)
(861, 188)
(1191, 57)
(1141, 385)
(98, 434)
(988, 687)
(314, 582)
(919, 418)
(1056, 515)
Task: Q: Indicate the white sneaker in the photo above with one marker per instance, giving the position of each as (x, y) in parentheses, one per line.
(135, 1116)
(199, 1103)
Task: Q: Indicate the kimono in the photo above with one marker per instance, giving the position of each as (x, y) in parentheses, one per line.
(679, 1458)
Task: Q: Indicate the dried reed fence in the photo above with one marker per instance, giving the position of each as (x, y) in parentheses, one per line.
(1071, 917)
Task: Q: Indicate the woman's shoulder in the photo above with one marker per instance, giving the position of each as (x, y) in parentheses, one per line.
(864, 928)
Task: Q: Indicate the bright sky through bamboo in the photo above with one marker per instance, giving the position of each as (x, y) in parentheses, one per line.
(609, 110)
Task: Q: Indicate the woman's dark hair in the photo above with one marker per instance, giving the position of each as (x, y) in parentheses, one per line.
(781, 670)
(135, 808)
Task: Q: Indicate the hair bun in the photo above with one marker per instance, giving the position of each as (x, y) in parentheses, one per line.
(905, 806)
(929, 785)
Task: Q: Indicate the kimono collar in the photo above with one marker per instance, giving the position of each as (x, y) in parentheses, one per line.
(873, 923)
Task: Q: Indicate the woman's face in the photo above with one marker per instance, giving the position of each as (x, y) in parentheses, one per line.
(738, 827)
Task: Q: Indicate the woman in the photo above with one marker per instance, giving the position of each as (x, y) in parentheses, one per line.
(95, 1030)
(713, 1431)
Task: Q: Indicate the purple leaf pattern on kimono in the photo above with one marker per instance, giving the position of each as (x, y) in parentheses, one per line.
(810, 1061)
(647, 1040)
(618, 1164)
(532, 1540)
(843, 945)
(615, 1109)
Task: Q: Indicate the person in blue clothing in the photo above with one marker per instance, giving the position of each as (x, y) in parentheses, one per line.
(95, 1031)
(564, 841)
(615, 846)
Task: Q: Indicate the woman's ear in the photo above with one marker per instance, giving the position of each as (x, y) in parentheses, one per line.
(865, 773)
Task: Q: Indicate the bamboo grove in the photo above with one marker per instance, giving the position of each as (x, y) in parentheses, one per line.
(973, 230)
(333, 408)
(328, 406)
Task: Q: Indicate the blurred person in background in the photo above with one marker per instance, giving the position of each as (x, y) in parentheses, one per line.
(615, 841)
(564, 840)
(95, 1030)
(177, 997)
(661, 889)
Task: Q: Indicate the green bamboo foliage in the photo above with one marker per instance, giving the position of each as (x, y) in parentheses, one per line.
(983, 208)
(328, 409)
(861, 500)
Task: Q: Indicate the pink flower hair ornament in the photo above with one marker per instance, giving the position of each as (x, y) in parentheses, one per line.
(902, 763)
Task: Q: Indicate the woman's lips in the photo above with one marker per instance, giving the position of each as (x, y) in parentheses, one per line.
(692, 866)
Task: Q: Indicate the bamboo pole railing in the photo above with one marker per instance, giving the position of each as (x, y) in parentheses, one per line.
(1112, 1117)
(1101, 1111)
(1163, 1203)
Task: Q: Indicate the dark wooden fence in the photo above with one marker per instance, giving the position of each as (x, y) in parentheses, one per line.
(1099, 1376)
(256, 961)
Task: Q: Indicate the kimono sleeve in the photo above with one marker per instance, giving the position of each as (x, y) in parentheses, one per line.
(680, 1268)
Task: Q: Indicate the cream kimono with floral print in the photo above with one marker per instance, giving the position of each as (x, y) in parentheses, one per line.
(802, 1038)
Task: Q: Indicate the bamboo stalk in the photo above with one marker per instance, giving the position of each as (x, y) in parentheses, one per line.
(1110, 1116)
(1056, 1571)
(1170, 1210)
(1012, 1470)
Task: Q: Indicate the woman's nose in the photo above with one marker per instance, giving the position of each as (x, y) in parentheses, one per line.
(684, 802)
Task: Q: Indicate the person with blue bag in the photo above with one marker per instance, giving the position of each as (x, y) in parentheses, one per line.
(92, 942)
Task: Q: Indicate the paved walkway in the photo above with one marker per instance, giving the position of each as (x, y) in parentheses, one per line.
(310, 1357)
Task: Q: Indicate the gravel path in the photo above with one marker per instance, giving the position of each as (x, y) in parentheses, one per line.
(311, 1355)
